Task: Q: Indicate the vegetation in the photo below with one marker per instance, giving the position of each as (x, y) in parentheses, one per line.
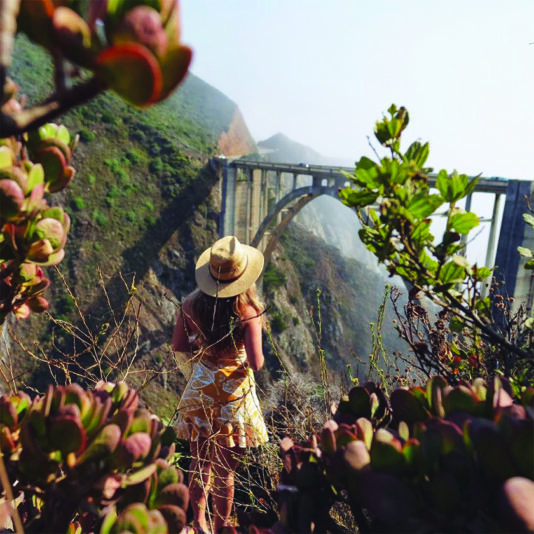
(454, 459)
(32, 234)
(143, 63)
(87, 459)
(454, 454)
(399, 235)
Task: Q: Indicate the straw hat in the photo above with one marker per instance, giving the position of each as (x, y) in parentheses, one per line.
(228, 268)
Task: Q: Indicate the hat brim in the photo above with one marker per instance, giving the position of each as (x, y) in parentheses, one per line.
(214, 288)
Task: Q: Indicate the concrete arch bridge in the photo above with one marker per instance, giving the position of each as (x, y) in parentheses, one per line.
(259, 200)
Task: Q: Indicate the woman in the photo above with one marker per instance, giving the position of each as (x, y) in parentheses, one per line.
(221, 324)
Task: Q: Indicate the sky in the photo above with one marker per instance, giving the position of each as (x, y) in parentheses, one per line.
(323, 72)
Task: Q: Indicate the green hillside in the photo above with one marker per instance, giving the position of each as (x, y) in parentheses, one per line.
(140, 203)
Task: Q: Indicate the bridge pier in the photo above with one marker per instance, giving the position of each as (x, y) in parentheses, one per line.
(228, 194)
(515, 232)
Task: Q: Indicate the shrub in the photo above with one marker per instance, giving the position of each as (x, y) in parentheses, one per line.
(273, 278)
(78, 203)
(100, 218)
(73, 447)
(278, 322)
(134, 157)
(452, 459)
(86, 136)
(155, 166)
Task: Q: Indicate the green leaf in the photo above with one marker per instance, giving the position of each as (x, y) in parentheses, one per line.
(6, 157)
(35, 177)
(48, 130)
(451, 272)
(482, 272)
(417, 153)
(471, 185)
(357, 199)
(366, 172)
(463, 223)
(365, 163)
(421, 233)
(423, 205)
(139, 475)
(422, 155)
(451, 187)
(525, 252)
(456, 325)
(461, 260)
(63, 134)
(529, 219)
(442, 182)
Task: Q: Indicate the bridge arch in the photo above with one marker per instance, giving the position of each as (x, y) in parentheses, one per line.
(287, 207)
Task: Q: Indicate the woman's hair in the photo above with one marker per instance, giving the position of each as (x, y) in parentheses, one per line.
(220, 320)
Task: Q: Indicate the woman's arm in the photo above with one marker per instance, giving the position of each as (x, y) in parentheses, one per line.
(253, 338)
(180, 336)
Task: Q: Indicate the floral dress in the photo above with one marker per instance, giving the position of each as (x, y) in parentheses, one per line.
(220, 402)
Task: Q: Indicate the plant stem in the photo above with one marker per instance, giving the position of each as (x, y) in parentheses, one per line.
(29, 119)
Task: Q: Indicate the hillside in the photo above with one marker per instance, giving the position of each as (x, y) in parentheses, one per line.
(144, 203)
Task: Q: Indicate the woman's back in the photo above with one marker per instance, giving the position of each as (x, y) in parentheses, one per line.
(219, 329)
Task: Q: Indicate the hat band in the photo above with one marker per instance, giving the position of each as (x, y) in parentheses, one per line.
(228, 270)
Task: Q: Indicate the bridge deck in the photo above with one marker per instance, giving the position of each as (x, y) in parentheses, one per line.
(493, 184)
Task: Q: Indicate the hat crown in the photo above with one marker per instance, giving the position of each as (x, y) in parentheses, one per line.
(228, 260)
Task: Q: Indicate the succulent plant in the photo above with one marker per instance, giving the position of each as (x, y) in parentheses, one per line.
(367, 401)
(138, 54)
(453, 459)
(72, 451)
(32, 234)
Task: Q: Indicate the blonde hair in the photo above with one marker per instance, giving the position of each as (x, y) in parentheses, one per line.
(221, 319)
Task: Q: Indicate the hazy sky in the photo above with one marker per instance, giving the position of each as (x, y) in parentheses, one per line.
(322, 72)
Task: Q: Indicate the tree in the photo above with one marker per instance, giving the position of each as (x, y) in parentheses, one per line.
(398, 233)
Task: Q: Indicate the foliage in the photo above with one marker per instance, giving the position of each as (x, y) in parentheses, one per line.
(398, 231)
(133, 49)
(81, 458)
(273, 278)
(453, 459)
(32, 234)
(523, 251)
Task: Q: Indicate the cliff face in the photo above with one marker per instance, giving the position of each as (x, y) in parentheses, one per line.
(236, 141)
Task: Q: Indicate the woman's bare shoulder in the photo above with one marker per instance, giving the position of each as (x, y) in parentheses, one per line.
(188, 301)
(250, 312)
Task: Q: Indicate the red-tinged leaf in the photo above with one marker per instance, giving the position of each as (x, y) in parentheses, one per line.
(174, 516)
(38, 304)
(54, 164)
(73, 34)
(356, 456)
(407, 407)
(173, 69)
(132, 71)
(142, 25)
(515, 506)
(67, 435)
(11, 199)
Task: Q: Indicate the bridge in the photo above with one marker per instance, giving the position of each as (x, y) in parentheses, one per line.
(259, 200)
